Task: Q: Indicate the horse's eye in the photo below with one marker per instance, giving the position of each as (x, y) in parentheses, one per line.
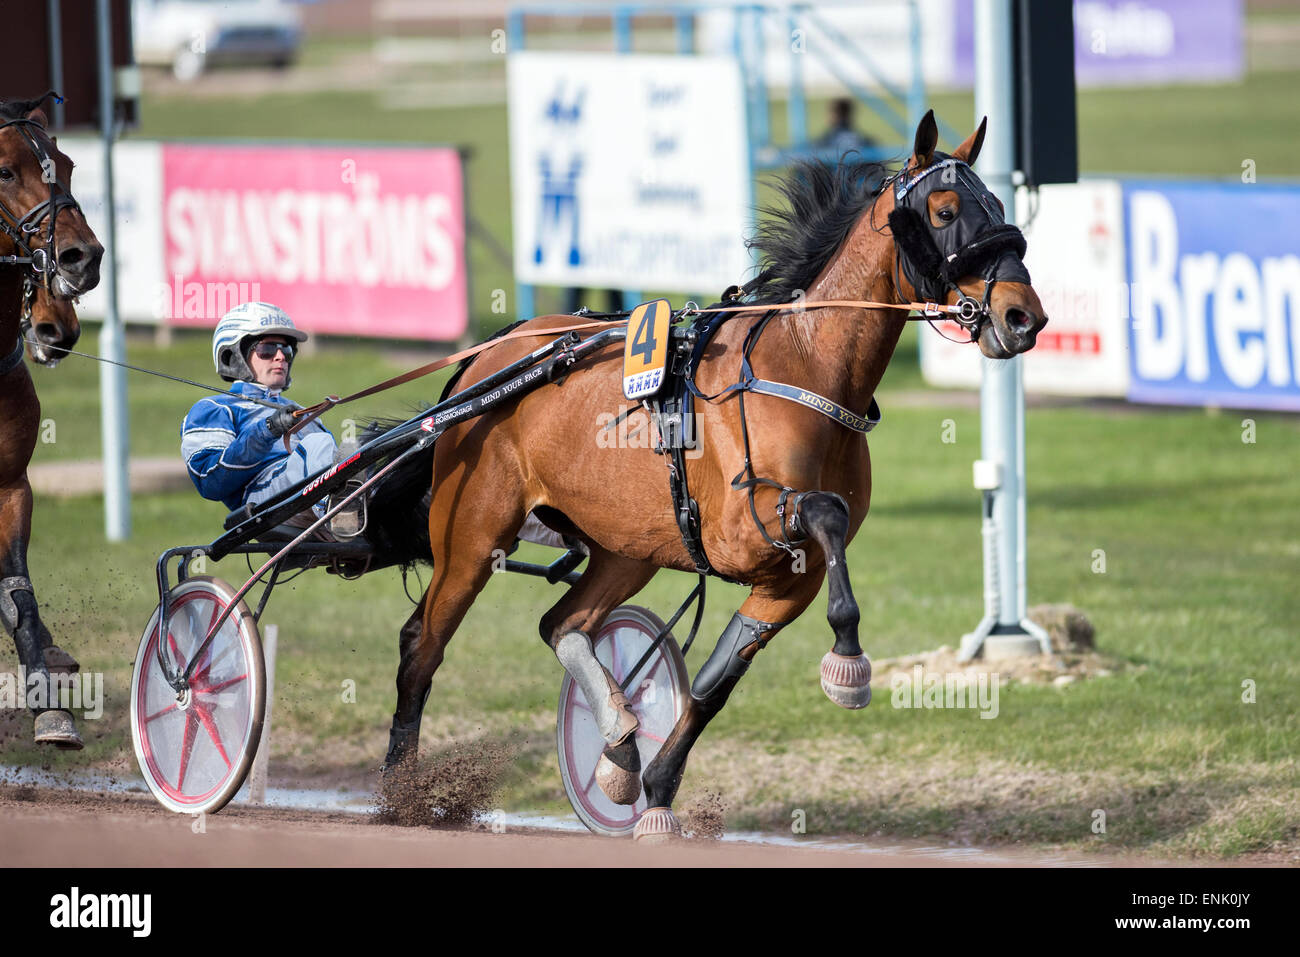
(946, 215)
(6, 174)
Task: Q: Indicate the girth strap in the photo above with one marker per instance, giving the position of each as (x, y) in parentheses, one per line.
(13, 360)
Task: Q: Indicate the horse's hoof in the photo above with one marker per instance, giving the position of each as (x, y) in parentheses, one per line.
(657, 826)
(618, 772)
(847, 681)
(57, 728)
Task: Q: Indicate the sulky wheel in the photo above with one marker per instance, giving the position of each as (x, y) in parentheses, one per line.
(657, 696)
(195, 749)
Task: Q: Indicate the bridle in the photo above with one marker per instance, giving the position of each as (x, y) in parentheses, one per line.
(994, 251)
(22, 229)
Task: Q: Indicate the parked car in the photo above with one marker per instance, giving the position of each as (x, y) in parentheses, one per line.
(189, 36)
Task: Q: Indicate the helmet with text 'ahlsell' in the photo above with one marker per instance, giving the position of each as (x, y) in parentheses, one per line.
(239, 327)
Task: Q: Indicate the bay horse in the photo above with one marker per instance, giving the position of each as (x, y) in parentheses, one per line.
(43, 228)
(845, 236)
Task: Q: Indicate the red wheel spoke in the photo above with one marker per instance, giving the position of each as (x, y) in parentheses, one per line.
(643, 733)
(177, 660)
(210, 726)
(158, 714)
(187, 747)
(217, 609)
(222, 685)
(579, 703)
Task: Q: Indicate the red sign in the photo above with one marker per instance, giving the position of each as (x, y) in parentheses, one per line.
(348, 241)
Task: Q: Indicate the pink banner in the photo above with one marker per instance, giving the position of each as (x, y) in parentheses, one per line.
(348, 241)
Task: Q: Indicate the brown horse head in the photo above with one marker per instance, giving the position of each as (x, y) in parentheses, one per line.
(40, 218)
(954, 242)
(54, 325)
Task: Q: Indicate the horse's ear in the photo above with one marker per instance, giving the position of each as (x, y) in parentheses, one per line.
(969, 151)
(927, 138)
(38, 116)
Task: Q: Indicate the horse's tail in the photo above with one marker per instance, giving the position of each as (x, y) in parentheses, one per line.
(398, 523)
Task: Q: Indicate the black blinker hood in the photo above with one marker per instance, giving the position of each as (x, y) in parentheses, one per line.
(979, 242)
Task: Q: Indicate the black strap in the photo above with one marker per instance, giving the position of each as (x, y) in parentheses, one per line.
(12, 361)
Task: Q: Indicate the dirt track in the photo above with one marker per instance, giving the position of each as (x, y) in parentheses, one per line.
(47, 828)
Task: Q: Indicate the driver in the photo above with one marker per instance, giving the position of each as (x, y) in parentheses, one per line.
(233, 446)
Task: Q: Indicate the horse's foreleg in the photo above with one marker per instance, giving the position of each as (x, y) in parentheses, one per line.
(607, 582)
(466, 525)
(750, 629)
(404, 736)
(845, 670)
(21, 618)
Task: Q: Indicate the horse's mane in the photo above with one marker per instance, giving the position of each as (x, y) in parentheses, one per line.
(797, 239)
(17, 109)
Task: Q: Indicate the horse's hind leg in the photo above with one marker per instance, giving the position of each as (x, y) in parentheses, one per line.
(607, 582)
(761, 616)
(22, 619)
(845, 670)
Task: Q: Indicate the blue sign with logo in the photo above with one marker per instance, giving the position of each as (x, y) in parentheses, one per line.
(1214, 273)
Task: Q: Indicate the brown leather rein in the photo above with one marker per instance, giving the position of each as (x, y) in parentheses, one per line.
(928, 310)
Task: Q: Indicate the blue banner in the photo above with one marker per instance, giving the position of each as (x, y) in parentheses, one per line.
(1214, 273)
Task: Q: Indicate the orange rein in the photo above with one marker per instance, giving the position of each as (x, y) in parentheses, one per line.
(928, 310)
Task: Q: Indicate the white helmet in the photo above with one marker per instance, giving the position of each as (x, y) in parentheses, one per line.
(251, 320)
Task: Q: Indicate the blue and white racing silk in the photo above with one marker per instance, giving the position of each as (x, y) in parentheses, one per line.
(231, 455)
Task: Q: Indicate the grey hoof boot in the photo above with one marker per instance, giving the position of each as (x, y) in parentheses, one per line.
(657, 825)
(847, 681)
(57, 728)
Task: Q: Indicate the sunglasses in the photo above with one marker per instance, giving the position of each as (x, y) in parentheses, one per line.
(267, 350)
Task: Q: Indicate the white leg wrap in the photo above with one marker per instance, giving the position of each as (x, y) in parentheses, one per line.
(575, 654)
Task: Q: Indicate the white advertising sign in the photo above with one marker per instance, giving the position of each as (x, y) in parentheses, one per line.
(1076, 259)
(628, 171)
(137, 186)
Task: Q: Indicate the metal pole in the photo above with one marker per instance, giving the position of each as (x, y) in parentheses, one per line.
(1002, 401)
(56, 59)
(112, 345)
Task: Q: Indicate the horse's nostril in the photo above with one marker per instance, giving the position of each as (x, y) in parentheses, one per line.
(71, 256)
(1018, 319)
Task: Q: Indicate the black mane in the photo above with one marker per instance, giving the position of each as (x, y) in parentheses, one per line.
(823, 201)
(17, 109)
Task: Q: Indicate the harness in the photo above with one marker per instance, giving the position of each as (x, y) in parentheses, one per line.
(978, 242)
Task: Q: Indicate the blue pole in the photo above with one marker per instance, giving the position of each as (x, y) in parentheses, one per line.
(685, 33)
(622, 30)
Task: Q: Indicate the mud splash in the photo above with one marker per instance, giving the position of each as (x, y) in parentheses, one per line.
(448, 790)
